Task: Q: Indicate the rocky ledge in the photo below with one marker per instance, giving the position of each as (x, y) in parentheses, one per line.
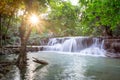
(112, 46)
(6, 50)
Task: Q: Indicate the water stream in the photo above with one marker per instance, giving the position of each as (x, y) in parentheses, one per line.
(82, 45)
(70, 58)
(67, 67)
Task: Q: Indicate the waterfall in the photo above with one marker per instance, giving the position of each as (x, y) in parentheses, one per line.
(81, 45)
(69, 45)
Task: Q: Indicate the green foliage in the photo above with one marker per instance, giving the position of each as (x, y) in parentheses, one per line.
(101, 13)
(8, 20)
(64, 17)
(90, 17)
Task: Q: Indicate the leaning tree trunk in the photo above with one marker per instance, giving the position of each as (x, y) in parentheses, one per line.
(21, 62)
(24, 35)
(22, 57)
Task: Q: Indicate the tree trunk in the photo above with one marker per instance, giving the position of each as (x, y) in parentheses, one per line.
(108, 31)
(24, 35)
(21, 62)
(22, 56)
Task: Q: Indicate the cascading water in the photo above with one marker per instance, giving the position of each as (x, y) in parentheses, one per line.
(69, 45)
(81, 45)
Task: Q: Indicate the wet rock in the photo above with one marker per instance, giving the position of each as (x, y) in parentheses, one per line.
(17, 50)
(41, 48)
(112, 46)
(116, 46)
(113, 55)
(33, 48)
(4, 51)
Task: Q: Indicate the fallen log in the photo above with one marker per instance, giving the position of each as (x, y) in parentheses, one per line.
(40, 61)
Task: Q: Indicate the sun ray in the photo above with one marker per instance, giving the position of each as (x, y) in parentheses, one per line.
(34, 19)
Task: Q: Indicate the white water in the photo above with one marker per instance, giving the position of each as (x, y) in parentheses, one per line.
(80, 45)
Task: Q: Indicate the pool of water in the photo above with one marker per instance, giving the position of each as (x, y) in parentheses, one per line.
(67, 67)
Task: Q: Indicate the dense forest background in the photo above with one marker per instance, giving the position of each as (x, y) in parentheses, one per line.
(57, 18)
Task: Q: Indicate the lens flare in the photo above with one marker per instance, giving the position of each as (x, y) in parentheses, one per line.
(34, 19)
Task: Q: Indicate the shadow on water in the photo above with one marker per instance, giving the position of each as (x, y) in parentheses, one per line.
(38, 68)
(25, 69)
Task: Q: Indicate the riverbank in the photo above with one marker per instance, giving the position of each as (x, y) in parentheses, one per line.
(66, 67)
(8, 50)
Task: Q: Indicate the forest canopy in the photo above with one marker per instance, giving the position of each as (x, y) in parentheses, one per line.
(59, 18)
